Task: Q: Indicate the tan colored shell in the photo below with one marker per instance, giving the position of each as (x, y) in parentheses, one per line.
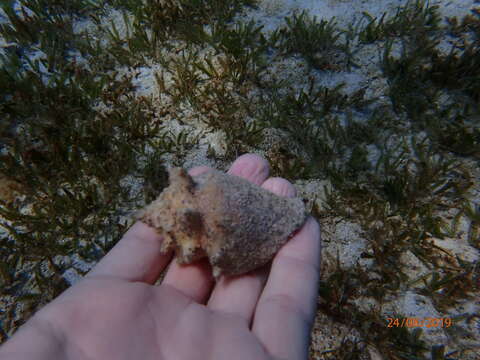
(238, 225)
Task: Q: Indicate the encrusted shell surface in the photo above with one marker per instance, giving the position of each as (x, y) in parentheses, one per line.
(238, 225)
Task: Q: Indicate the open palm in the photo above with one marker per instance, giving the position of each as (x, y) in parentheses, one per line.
(116, 311)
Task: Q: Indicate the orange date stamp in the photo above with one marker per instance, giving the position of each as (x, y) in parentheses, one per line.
(427, 322)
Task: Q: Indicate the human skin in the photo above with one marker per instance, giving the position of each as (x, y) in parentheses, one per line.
(116, 311)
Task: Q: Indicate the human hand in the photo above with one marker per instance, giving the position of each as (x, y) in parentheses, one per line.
(116, 312)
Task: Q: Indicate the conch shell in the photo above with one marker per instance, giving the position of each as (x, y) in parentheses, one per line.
(238, 225)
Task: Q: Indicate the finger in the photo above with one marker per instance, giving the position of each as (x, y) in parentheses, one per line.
(252, 167)
(193, 280)
(238, 295)
(287, 305)
(136, 257)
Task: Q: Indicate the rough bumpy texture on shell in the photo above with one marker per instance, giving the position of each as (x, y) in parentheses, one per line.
(238, 225)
